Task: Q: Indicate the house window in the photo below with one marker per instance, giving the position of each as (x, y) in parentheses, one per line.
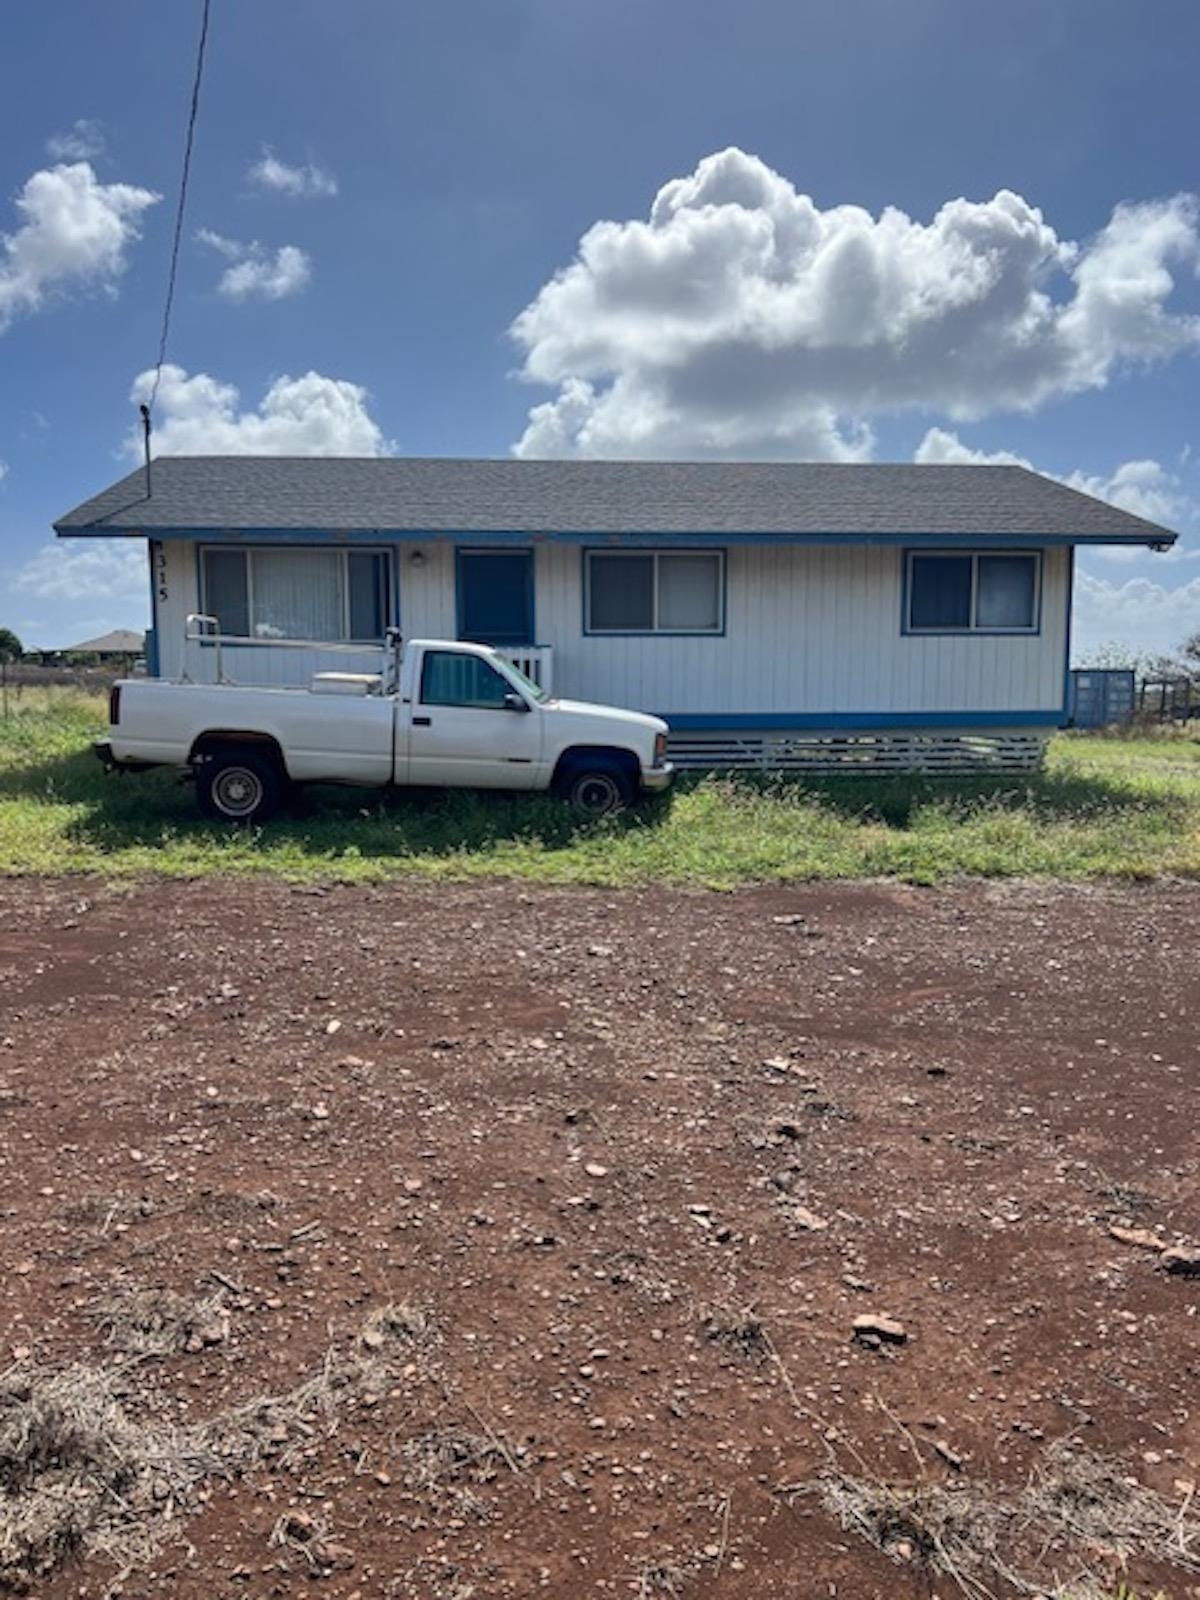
(654, 591)
(971, 592)
(297, 592)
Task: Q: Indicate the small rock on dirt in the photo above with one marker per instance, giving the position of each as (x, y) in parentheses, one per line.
(871, 1327)
(1140, 1238)
(805, 1218)
(1181, 1261)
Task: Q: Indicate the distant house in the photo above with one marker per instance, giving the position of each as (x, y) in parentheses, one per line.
(120, 642)
(795, 615)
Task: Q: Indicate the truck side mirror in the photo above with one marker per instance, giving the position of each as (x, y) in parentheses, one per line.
(514, 702)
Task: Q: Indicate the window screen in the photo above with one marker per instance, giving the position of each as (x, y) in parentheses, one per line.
(621, 594)
(689, 593)
(226, 591)
(449, 678)
(1007, 587)
(367, 573)
(941, 592)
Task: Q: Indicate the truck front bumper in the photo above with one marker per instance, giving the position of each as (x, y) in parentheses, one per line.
(658, 778)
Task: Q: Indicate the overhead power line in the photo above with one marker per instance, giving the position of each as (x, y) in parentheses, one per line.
(179, 211)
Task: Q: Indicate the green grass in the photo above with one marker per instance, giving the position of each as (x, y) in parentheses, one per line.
(1102, 808)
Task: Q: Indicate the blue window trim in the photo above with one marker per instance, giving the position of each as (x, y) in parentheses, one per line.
(719, 551)
(152, 636)
(393, 594)
(530, 590)
(834, 721)
(970, 632)
(1067, 638)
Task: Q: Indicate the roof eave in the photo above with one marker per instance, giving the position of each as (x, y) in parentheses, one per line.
(1153, 538)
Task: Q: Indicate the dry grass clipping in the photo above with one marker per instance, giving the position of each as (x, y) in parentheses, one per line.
(741, 1330)
(160, 1322)
(85, 1469)
(78, 1472)
(399, 1324)
(450, 1463)
(1072, 1530)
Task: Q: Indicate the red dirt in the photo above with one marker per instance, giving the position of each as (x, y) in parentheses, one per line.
(968, 1086)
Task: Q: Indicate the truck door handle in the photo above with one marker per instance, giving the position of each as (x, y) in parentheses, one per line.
(422, 722)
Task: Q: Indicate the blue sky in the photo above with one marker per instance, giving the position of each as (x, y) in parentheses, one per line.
(383, 195)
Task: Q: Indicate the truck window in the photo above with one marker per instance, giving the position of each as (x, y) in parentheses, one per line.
(449, 678)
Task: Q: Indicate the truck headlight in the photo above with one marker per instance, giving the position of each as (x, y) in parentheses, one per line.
(660, 749)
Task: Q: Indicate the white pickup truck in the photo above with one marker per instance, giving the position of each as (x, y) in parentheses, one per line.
(439, 713)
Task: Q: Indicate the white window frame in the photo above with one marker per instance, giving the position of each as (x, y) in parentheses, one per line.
(972, 629)
(654, 630)
(344, 552)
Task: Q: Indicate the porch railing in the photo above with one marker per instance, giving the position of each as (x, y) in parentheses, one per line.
(207, 651)
(536, 661)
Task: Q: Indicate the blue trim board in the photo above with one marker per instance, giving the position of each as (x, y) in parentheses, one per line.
(874, 721)
(152, 646)
(523, 536)
(1067, 635)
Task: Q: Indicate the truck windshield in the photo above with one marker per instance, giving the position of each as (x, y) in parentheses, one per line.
(534, 690)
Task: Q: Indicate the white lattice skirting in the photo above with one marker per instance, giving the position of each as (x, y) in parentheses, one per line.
(948, 751)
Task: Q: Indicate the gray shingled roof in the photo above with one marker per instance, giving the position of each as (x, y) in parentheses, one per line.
(398, 495)
(120, 642)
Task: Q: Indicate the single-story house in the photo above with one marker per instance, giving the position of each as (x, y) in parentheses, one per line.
(121, 642)
(776, 614)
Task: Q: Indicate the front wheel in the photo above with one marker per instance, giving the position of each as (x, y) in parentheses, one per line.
(239, 786)
(597, 788)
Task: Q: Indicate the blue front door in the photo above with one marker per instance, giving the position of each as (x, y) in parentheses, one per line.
(495, 596)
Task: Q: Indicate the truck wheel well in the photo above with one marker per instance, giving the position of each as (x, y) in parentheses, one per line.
(208, 744)
(580, 754)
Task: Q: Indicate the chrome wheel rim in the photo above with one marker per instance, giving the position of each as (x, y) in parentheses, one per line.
(597, 794)
(238, 792)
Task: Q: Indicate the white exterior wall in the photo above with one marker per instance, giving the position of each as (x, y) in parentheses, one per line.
(809, 630)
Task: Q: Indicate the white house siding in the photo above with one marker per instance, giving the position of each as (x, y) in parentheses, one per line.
(809, 630)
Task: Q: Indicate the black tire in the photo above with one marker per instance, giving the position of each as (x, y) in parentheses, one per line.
(242, 787)
(596, 786)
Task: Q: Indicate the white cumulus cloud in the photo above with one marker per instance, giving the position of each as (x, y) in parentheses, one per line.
(304, 182)
(74, 231)
(307, 416)
(109, 569)
(84, 141)
(255, 273)
(1144, 617)
(742, 319)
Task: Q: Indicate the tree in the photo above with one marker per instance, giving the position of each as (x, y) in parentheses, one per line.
(11, 649)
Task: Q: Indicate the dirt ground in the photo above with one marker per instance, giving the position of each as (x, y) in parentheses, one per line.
(632, 1163)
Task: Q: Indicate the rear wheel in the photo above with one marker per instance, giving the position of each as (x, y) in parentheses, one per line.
(239, 786)
(597, 787)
